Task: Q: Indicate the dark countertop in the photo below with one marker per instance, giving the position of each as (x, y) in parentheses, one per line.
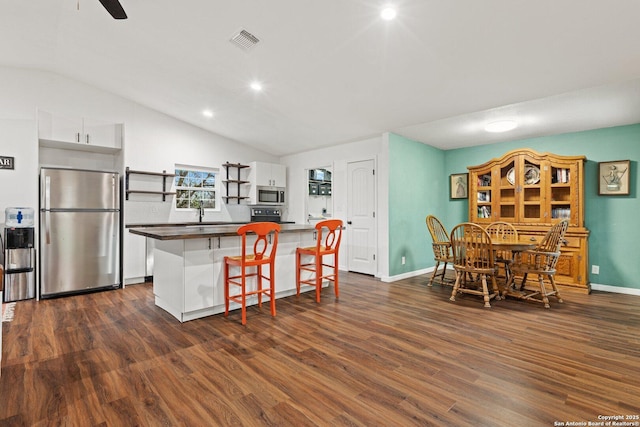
(193, 223)
(197, 231)
(181, 224)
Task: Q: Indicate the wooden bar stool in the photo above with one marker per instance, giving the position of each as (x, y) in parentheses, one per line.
(264, 251)
(329, 234)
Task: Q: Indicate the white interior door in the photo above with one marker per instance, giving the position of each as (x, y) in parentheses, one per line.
(361, 231)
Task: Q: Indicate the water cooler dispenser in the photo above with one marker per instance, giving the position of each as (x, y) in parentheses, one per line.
(19, 255)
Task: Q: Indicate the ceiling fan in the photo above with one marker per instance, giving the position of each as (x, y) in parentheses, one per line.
(114, 8)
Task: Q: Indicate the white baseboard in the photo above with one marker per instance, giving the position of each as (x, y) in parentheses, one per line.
(409, 274)
(133, 281)
(615, 289)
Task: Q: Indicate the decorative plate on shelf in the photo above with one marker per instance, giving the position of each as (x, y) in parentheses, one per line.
(511, 176)
(531, 175)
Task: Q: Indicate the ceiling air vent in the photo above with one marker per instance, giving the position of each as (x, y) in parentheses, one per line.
(245, 39)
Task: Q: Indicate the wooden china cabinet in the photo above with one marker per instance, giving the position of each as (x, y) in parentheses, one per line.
(534, 191)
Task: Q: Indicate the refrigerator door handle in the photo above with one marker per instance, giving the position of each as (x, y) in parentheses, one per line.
(47, 221)
(114, 192)
(47, 203)
(47, 193)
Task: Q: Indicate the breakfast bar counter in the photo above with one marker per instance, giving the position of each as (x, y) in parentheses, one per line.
(199, 231)
(188, 277)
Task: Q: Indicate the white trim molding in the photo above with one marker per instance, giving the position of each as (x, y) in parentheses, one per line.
(409, 274)
(615, 289)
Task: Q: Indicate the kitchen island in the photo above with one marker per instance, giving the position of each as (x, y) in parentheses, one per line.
(188, 277)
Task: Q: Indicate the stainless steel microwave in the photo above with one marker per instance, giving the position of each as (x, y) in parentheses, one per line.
(271, 195)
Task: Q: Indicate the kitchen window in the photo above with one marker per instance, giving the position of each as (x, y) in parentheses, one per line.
(196, 188)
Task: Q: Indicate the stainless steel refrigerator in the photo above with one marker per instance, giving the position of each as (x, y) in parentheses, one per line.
(79, 231)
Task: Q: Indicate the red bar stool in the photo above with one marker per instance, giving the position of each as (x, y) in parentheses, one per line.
(264, 250)
(327, 245)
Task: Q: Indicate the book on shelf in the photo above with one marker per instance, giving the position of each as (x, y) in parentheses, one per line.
(561, 213)
(562, 176)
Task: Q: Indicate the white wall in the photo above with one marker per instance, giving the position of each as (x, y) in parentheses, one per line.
(152, 141)
(156, 142)
(18, 187)
(337, 157)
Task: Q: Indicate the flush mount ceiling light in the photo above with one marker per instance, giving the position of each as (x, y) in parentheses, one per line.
(256, 86)
(501, 126)
(388, 13)
(207, 113)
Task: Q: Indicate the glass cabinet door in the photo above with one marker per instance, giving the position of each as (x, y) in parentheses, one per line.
(507, 188)
(531, 191)
(482, 196)
(563, 198)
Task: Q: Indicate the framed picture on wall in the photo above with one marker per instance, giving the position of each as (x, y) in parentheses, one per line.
(459, 185)
(613, 178)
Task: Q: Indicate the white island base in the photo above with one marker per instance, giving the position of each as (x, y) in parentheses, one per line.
(188, 279)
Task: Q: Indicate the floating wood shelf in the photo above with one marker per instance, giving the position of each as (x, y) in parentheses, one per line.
(164, 174)
(238, 182)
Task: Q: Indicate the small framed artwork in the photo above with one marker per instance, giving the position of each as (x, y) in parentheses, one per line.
(459, 185)
(613, 178)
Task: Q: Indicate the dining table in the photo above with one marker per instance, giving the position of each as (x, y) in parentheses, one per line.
(514, 246)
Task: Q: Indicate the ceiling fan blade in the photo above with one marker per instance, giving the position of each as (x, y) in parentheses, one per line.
(114, 8)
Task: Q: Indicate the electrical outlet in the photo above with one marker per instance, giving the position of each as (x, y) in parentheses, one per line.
(595, 269)
(403, 260)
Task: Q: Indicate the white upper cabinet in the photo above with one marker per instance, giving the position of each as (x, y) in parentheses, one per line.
(268, 174)
(64, 129)
(78, 133)
(104, 134)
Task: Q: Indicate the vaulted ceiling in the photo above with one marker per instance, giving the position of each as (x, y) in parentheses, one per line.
(333, 71)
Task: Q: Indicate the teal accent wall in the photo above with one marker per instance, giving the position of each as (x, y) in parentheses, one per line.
(417, 186)
(614, 238)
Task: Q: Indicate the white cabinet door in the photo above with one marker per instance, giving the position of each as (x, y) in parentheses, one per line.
(102, 134)
(198, 274)
(279, 175)
(134, 258)
(78, 133)
(268, 174)
(67, 129)
(59, 128)
(223, 246)
(261, 173)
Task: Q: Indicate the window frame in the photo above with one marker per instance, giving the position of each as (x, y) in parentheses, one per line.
(198, 175)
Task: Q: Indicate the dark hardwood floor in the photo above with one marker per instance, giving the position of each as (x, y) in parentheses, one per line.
(385, 354)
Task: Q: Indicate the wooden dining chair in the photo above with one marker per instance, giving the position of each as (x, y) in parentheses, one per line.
(540, 261)
(441, 249)
(500, 230)
(328, 236)
(250, 263)
(473, 255)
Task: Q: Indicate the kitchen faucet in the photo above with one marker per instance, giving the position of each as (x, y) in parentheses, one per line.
(200, 213)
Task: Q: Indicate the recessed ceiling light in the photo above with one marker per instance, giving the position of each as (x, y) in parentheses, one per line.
(207, 113)
(388, 13)
(501, 126)
(256, 86)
